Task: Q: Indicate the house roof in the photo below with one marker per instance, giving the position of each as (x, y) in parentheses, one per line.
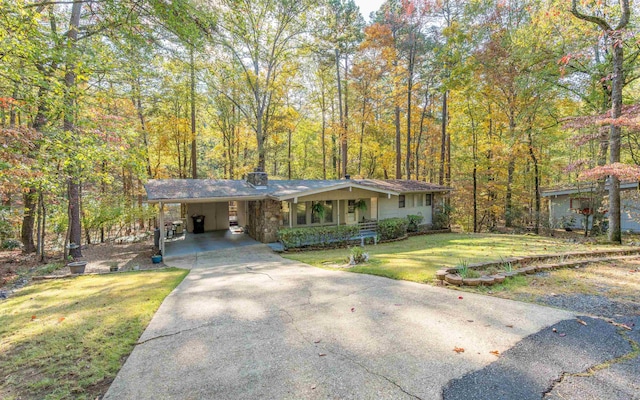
(587, 188)
(200, 190)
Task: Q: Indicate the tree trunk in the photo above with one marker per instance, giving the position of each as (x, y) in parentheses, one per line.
(615, 230)
(398, 144)
(340, 113)
(409, 94)
(345, 129)
(443, 140)
(75, 230)
(289, 155)
(324, 131)
(508, 203)
(194, 153)
(536, 184)
(28, 220)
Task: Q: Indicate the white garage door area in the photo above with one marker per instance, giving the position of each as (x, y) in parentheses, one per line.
(216, 215)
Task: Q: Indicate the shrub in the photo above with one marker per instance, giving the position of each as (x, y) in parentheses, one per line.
(10, 244)
(442, 217)
(358, 255)
(317, 236)
(392, 228)
(413, 222)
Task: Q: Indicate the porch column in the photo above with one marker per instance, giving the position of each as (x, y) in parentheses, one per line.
(290, 215)
(338, 212)
(162, 232)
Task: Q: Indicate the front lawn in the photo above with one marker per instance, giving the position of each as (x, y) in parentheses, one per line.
(419, 257)
(67, 339)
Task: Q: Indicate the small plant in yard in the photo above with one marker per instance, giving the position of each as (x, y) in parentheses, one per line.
(507, 266)
(465, 272)
(358, 255)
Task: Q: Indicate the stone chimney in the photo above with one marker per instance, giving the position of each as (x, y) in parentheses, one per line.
(258, 179)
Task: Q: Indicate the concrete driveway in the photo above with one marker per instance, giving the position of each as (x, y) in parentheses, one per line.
(248, 324)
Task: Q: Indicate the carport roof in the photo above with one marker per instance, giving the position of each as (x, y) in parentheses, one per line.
(201, 190)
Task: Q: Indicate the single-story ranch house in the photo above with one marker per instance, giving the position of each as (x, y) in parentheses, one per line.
(568, 206)
(264, 206)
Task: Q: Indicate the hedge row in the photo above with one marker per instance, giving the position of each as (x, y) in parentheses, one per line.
(392, 228)
(323, 236)
(317, 236)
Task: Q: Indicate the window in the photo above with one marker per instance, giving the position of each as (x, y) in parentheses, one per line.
(351, 206)
(429, 199)
(284, 211)
(328, 211)
(301, 213)
(418, 200)
(581, 205)
(401, 201)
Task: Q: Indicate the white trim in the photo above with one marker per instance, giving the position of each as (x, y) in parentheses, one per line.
(345, 185)
(587, 189)
(208, 199)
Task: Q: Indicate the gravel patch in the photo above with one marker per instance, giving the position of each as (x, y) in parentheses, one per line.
(592, 304)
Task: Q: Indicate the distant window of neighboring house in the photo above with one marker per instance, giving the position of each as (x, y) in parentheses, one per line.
(429, 199)
(301, 213)
(581, 204)
(418, 199)
(401, 201)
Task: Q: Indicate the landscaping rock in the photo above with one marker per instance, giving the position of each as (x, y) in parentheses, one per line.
(499, 278)
(440, 274)
(453, 279)
(472, 281)
(487, 280)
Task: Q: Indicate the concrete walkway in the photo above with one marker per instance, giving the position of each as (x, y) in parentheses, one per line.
(249, 324)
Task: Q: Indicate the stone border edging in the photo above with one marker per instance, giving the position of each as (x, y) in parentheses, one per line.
(451, 276)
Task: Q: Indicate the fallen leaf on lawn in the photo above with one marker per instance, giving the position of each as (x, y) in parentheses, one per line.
(316, 341)
(495, 353)
(562, 335)
(509, 326)
(33, 317)
(469, 320)
(353, 309)
(60, 319)
(458, 349)
(322, 354)
(459, 297)
(581, 321)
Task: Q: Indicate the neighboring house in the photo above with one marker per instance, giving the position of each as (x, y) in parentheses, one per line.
(264, 206)
(568, 206)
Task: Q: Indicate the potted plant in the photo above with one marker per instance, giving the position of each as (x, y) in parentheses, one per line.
(360, 205)
(318, 209)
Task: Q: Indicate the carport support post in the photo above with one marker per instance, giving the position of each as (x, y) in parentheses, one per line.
(161, 227)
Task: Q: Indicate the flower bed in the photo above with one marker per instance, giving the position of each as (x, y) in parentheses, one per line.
(522, 266)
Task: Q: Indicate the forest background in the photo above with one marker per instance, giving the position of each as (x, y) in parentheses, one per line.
(496, 99)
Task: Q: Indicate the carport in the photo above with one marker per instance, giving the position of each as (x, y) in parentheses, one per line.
(194, 244)
(203, 197)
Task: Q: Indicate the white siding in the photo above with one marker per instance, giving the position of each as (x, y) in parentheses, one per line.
(216, 215)
(559, 206)
(388, 208)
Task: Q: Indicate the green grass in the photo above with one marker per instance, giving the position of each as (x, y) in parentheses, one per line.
(67, 339)
(419, 257)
